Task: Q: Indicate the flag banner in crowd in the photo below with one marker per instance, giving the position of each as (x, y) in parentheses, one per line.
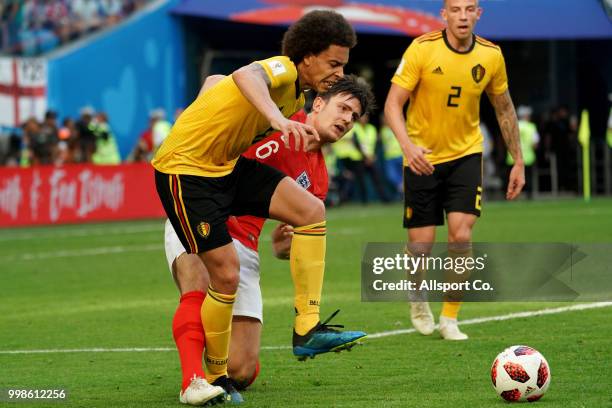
(23, 90)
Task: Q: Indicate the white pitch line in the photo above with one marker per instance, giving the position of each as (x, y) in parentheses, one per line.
(89, 350)
(97, 251)
(58, 232)
(542, 312)
(69, 253)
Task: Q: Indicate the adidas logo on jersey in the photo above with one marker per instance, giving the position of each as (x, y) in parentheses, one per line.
(437, 71)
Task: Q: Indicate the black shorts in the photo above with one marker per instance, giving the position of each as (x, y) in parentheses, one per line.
(198, 207)
(454, 186)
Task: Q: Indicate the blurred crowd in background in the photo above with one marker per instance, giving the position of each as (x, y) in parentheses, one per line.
(86, 139)
(365, 165)
(31, 27)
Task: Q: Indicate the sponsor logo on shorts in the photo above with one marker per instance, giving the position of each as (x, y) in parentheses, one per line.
(204, 229)
(408, 213)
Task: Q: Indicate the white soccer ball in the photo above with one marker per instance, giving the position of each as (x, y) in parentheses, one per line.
(520, 373)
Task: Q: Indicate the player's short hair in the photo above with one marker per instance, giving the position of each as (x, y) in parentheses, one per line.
(355, 86)
(445, 2)
(315, 32)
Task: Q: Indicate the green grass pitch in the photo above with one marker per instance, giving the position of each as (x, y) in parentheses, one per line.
(107, 286)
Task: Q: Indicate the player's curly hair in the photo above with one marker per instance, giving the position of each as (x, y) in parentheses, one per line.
(356, 86)
(315, 32)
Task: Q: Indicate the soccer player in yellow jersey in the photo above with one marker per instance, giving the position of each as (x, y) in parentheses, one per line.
(202, 179)
(444, 74)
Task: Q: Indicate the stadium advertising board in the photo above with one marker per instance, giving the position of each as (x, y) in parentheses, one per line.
(76, 193)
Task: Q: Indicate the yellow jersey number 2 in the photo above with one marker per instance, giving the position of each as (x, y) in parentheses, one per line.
(456, 94)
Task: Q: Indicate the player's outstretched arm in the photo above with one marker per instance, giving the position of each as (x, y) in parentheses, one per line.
(281, 240)
(508, 123)
(253, 82)
(394, 115)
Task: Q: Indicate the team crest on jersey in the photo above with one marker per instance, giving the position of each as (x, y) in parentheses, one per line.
(303, 180)
(478, 73)
(204, 229)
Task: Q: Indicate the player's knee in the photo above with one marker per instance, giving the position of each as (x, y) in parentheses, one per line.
(224, 274)
(243, 372)
(227, 281)
(315, 213)
(460, 235)
(191, 275)
(419, 248)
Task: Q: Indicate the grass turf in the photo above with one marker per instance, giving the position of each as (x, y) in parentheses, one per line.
(107, 285)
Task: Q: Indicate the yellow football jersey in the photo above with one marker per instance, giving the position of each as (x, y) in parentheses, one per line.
(446, 85)
(221, 123)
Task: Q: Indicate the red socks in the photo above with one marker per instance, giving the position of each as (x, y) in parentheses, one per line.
(255, 374)
(189, 335)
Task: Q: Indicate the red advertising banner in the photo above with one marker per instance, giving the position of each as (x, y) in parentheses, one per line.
(77, 193)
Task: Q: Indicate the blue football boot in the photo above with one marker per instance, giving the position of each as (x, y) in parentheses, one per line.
(323, 338)
(232, 396)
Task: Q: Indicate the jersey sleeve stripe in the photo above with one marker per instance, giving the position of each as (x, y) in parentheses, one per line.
(432, 33)
(495, 47)
(430, 37)
(430, 40)
(486, 43)
(484, 40)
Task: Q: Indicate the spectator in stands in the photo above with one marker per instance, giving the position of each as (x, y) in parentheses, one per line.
(560, 139)
(112, 10)
(49, 125)
(57, 19)
(36, 144)
(529, 142)
(489, 165)
(161, 129)
(86, 15)
(143, 152)
(14, 149)
(394, 158)
(85, 135)
(367, 137)
(43, 138)
(609, 131)
(36, 35)
(11, 21)
(26, 154)
(350, 166)
(334, 177)
(68, 144)
(107, 151)
(29, 27)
